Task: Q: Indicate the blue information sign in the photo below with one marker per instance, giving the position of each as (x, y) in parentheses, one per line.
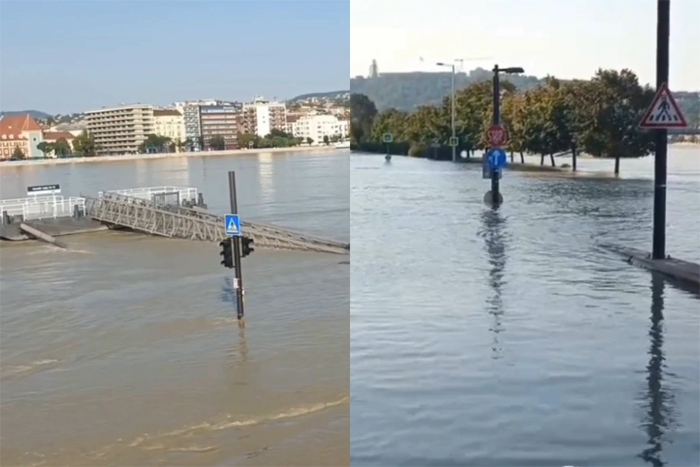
(496, 158)
(232, 223)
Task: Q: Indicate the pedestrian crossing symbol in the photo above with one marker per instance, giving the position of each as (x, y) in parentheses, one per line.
(663, 113)
(232, 223)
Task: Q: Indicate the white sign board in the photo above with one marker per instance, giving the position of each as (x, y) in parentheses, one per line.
(40, 190)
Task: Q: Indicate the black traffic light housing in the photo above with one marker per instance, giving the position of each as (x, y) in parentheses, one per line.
(227, 253)
(247, 246)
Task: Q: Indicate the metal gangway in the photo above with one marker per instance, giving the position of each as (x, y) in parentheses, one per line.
(41, 207)
(162, 195)
(176, 221)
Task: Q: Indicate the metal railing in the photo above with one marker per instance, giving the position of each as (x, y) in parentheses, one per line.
(41, 207)
(186, 193)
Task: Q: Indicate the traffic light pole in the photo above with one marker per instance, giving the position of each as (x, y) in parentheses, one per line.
(236, 247)
(495, 182)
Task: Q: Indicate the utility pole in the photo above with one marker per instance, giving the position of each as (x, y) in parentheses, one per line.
(663, 27)
(452, 107)
(236, 250)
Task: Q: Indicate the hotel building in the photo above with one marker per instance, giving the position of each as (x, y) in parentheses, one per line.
(120, 130)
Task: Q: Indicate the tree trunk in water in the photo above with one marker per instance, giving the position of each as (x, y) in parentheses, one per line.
(522, 157)
(541, 159)
(551, 158)
(573, 159)
(617, 165)
(511, 157)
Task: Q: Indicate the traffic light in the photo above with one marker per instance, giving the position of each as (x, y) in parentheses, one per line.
(247, 246)
(227, 253)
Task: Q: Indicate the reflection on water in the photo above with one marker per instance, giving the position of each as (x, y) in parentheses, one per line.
(658, 400)
(494, 225)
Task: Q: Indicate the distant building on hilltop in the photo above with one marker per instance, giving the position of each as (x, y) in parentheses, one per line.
(20, 131)
(121, 130)
(373, 70)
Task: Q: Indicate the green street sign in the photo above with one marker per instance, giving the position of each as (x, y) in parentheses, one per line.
(387, 138)
(454, 141)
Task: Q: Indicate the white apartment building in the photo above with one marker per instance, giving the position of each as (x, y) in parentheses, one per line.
(262, 116)
(169, 123)
(120, 130)
(318, 126)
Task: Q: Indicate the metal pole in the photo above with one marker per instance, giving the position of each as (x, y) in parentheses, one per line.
(660, 161)
(236, 247)
(454, 148)
(495, 195)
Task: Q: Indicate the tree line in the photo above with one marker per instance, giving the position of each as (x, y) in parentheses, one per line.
(599, 117)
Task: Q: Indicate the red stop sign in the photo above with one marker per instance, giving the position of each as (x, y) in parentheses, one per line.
(497, 136)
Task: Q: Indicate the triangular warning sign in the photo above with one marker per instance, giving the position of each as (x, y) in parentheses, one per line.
(663, 112)
(232, 227)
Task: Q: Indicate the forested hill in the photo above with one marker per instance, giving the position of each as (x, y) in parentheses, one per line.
(406, 91)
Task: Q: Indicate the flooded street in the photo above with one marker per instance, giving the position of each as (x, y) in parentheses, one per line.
(124, 350)
(508, 337)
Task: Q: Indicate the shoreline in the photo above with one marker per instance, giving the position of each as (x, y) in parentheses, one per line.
(132, 157)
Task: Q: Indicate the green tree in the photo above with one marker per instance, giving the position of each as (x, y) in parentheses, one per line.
(155, 144)
(362, 114)
(309, 141)
(391, 121)
(615, 102)
(326, 140)
(45, 147)
(84, 145)
(18, 153)
(217, 143)
(62, 147)
(246, 140)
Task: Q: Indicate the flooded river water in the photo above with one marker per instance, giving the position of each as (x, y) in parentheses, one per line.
(508, 338)
(124, 350)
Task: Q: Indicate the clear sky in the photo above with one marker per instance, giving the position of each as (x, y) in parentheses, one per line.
(564, 38)
(62, 56)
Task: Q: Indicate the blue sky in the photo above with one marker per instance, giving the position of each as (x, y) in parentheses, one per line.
(564, 38)
(62, 56)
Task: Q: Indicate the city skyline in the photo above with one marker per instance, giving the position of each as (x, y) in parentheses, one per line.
(193, 51)
(600, 34)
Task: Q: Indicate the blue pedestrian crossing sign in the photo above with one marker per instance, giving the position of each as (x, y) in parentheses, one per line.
(232, 224)
(496, 158)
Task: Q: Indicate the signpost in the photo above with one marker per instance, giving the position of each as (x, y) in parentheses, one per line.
(232, 223)
(388, 138)
(497, 135)
(664, 112)
(454, 141)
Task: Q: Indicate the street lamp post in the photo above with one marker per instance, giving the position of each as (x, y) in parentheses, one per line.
(495, 194)
(452, 112)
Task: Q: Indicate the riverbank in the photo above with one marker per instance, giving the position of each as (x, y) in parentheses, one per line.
(131, 157)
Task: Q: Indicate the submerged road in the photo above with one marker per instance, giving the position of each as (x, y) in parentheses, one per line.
(510, 338)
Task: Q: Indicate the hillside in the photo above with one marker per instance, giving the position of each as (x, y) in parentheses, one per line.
(36, 114)
(406, 91)
(333, 95)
